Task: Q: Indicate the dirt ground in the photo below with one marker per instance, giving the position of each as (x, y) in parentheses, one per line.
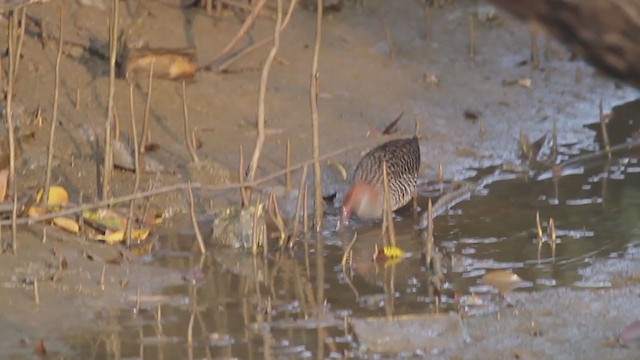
(467, 109)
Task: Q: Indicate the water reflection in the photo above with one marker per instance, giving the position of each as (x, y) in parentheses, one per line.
(297, 305)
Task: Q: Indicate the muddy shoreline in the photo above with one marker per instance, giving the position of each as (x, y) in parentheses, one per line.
(469, 111)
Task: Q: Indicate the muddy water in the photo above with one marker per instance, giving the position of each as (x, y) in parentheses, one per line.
(243, 307)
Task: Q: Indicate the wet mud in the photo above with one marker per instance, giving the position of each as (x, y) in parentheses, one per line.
(378, 59)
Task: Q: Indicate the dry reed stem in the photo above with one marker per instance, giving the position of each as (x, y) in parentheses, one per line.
(243, 30)
(116, 124)
(255, 244)
(472, 37)
(605, 131)
(539, 227)
(313, 98)
(147, 109)
(276, 218)
(12, 138)
(428, 247)
(137, 308)
(535, 53)
(54, 117)
(296, 217)
(159, 329)
(305, 211)
(36, 293)
(184, 186)
(553, 238)
(253, 166)
(194, 222)
(441, 177)
(136, 163)
(108, 153)
(346, 256)
(190, 145)
(554, 140)
(287, 177)
(260, 43)
(244, 195)
(77, 104)
(101, 283)
(23, 25)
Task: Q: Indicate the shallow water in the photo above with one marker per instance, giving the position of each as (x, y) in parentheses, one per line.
(246, 308)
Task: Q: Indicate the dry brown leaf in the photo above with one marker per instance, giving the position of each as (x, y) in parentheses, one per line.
(172, 64)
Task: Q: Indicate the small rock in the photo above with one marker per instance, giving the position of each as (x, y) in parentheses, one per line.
(99, 4)
(76, 51)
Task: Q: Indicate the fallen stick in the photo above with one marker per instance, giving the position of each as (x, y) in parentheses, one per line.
(260, 43)
(243, 30)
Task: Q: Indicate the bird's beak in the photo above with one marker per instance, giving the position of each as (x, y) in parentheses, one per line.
(344, 219)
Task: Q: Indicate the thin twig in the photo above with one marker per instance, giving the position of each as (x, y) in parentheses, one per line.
(23, 25)
(12, 139)
(535, 54)
(36, 293)
(108, 153)
(605, 131)
(136, 163)
(190, 145)
(54, 117)
(305, 211)
(296, 217)
(262, 95)
(472, 37)
(243, 30)
(116, 124)
(287, 177)
(313, 98)
(194, 222)
(244, 193)
(147, 109)
(552, 236)
(260, 43)
(428, 247)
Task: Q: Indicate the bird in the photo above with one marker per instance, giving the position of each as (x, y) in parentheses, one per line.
(365, 197)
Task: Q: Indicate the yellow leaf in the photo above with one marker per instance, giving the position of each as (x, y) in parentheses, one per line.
(340, 167)
(68, 224)
(57, 196)
(36, 211)
(113, 237)
(393, 252)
